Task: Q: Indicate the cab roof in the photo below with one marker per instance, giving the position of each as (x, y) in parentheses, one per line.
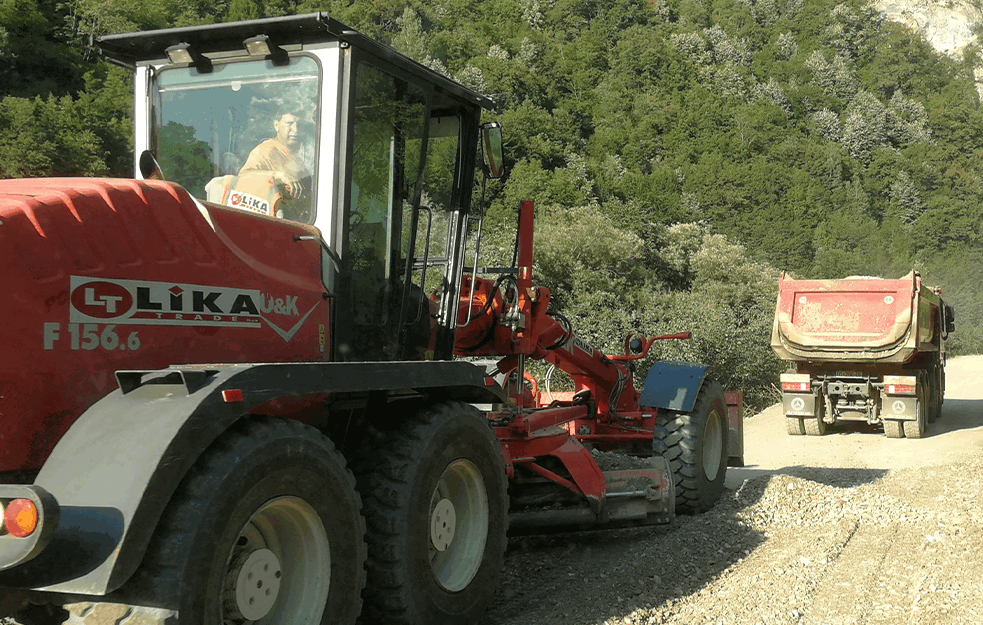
(290, 31)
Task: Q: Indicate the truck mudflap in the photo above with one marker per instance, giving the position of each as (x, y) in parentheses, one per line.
(112, 474)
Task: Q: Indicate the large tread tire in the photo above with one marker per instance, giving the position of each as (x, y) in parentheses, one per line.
(917, 427)
(443, 457)
(815, 426)
(37, 615)
(265, 486)
(893, 428)
(696, 447)
(935, 386)
(794, 426)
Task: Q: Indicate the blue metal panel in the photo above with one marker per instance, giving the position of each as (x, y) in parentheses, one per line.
(673, 385)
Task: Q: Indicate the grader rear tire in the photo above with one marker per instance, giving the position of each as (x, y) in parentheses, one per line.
(265, 528)
(436, 505)
(695, 445)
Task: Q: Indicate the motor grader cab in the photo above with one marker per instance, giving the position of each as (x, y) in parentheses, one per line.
(303, 119)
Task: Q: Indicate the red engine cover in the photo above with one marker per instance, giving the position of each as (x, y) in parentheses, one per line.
(103, 275)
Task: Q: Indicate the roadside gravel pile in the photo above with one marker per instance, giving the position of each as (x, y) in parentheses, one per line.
(824, 546)
(782, 501)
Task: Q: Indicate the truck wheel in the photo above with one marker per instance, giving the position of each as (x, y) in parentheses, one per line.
(816, 425)
(934, 394)
(436, 505)
(695, 445)
(265, 528)
(916, 428)
(794, 426)
(893, 428)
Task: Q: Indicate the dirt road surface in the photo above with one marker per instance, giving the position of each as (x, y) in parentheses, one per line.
(849, 528)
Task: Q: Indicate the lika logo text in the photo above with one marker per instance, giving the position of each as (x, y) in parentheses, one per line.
(168, 303)
(238, 199)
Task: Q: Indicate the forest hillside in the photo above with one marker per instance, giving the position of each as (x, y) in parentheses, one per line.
(681, 152)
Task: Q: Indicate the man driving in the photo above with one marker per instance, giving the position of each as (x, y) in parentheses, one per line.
(274, 179)
(277, 156)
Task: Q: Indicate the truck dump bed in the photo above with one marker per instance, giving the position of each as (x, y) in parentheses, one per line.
(856, 319)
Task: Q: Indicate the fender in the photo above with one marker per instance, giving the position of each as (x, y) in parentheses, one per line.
(673, 385)
(112, 474)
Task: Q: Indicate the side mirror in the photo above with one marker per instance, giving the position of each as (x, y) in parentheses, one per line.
(491, 149)
(149, 167)
(950, 319)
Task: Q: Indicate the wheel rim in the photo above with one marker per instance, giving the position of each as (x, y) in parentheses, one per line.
(280, 567)
(713, 443)
(458, 525)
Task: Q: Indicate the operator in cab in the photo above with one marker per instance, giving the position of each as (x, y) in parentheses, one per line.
(274, 180)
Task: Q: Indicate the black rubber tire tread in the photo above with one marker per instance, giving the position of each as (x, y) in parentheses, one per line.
(935, 385)
(794, 426)
(917, 427)
(893, 428)
(396, 491)
(257, 459)
(37, 615)
(814, 426)
(678, 437)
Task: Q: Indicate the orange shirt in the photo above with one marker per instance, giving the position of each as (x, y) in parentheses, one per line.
(271, 155)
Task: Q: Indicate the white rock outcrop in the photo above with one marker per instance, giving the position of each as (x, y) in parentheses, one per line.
(947, 25)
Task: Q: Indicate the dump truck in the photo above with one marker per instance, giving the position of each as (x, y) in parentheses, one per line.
(862, 348)
(268, 380)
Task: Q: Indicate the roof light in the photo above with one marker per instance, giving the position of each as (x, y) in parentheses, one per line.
(260, 45)
(183, 53)
(20, 518)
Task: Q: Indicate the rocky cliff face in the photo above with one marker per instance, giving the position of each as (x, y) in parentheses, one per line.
(946, 24)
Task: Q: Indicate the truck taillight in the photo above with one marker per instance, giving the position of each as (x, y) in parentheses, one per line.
(20, 518)
(795, 387)
(899, 389)
(900, 385)
(796, 382)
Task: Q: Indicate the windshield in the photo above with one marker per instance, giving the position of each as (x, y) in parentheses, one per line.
(243, 134)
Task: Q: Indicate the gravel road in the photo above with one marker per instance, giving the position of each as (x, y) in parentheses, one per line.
(850, 528)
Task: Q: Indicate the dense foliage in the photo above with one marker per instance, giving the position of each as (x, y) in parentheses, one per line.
(680, 151)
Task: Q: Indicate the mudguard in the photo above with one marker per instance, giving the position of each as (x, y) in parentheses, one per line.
(113, 473)
(673, 385)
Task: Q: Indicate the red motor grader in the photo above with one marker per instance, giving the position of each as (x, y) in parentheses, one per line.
(252, 385)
